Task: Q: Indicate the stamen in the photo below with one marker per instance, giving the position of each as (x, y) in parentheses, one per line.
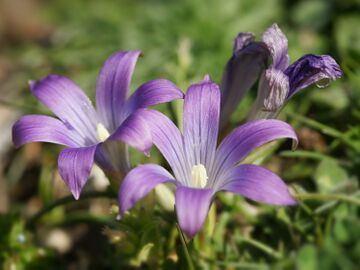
(198, 176)
(101, 132)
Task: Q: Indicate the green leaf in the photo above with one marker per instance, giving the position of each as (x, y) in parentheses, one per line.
(307, 258)
(328, 175)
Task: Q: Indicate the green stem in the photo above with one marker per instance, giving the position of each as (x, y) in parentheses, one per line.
(304, 154)
(186, 250)
(237, 265)
(85, 217)
(328, 197)
(323, 128)
(329, 205)
(268, 250)
(65, 200)
(310, 122)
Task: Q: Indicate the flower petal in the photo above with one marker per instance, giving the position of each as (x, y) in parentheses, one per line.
(168, 139)
(41, 128)
(272, 92)
(258, 184)
(135, 132)
(112, 86)
(192, 206)
(139, 182)
(277, 44)
(311, 69)
(242, 40)
(201, 122)
(113, 158)
(239, 143)
(69, 103)
(152, 93)
(240, 73)
(75, 165)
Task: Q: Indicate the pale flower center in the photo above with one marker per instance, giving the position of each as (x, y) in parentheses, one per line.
(198, 176)
(101, 132)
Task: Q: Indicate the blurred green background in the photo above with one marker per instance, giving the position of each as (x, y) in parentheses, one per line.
(181, 41)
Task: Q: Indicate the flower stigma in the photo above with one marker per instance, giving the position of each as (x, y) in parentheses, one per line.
(101, 132)
(198, 176)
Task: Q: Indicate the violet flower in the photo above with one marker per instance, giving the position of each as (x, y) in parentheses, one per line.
(200, 169)
(279, 82)
(86, 131)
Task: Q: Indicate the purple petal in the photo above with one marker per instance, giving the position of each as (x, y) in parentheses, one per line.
(75, 165)
(152, 93)
(239, 143)
(258, 184)
(135, 132)
(113, 157)
(241, 72)
(242, 40)
(277, 44)
(41, 128)
(272, 92)
(168, 139)
(192, 206)
(139, 182)
(112, 86)
(311, 69)
(201, 122)
(69, 103)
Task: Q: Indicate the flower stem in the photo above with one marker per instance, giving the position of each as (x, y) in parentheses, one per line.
(328, 197)
(185, 247)
(265, 248)
(324, 129)
(65, 200)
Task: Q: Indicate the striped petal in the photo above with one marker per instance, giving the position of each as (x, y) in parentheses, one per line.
(74, 167)
(239, 143)
(271, 96)
(258, 184)
(310, 69)
(192, 206)
(241, 72)
(113, 85)
(135, 132)
(139, 182)
(277, 44)
(152, 93)
(168, 139)
(41, 128)
(68, 102)
(201, 122)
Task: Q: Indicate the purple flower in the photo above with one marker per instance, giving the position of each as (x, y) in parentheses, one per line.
(94, 135)
(200, 168)
(279, 81)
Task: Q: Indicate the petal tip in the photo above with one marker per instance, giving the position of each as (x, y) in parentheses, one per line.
(31, 83)
(189, 233)
(76, 195)
(147, 153)
(294, 144)
(293, 203)
(207, 78)
(242, 40)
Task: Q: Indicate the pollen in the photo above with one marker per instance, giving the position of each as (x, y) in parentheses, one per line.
(198, 176)
(101, 132)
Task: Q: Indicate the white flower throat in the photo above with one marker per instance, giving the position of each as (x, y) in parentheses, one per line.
(198, 176)
(101, 132)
